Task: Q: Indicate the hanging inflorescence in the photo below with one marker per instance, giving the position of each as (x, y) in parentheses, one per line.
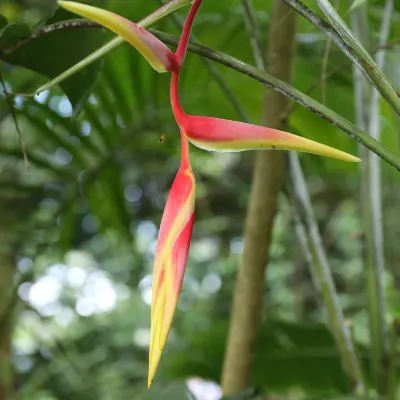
(208, 133)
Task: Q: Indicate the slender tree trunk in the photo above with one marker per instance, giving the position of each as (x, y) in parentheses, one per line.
(268, 177)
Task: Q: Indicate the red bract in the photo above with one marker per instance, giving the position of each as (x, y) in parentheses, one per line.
(223, 135)
(171, 255)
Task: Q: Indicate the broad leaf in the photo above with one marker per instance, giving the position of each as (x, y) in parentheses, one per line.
(38, 55)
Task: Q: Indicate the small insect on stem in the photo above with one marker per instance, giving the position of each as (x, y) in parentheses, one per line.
(162, 138)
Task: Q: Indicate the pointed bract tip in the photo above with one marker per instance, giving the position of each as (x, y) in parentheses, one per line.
(161, 58)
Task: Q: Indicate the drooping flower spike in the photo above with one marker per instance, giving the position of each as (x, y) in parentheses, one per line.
(205, 132)
(171, 255)
(161, 58)
(174, 238)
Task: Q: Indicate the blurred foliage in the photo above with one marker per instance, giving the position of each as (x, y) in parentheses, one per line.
(81, 225)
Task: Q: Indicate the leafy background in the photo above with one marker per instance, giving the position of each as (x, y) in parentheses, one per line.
(79, 228)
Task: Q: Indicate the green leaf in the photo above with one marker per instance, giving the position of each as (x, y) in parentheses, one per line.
(11, 33)
(3, 23)
(39, 55)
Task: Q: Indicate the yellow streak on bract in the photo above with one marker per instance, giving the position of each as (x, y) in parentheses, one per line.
(297, 144)
(176, 228)
(117, 24)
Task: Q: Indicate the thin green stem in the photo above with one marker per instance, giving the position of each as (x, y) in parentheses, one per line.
(101, 52)
(10, 103)
(252, 28)
(359, 22)
(375, 195)
(368, 117)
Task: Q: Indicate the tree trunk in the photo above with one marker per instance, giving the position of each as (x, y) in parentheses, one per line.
(268, 177)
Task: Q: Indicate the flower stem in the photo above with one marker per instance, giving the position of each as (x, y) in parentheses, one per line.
(183, 43)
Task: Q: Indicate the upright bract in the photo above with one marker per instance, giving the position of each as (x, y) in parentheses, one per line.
(161, 58)
(171, 255)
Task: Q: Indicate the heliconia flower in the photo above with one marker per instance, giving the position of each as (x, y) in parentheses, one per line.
(161, 58)
(171, 255)
(205, 132)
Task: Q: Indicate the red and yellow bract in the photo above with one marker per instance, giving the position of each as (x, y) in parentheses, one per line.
(161, 58)
(216, 134)
(171, 255)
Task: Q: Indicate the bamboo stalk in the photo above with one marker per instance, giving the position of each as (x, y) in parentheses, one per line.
(376, 184)
(368, 117)
(322, 275)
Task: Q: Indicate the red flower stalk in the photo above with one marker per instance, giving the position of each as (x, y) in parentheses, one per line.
(184, 40)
